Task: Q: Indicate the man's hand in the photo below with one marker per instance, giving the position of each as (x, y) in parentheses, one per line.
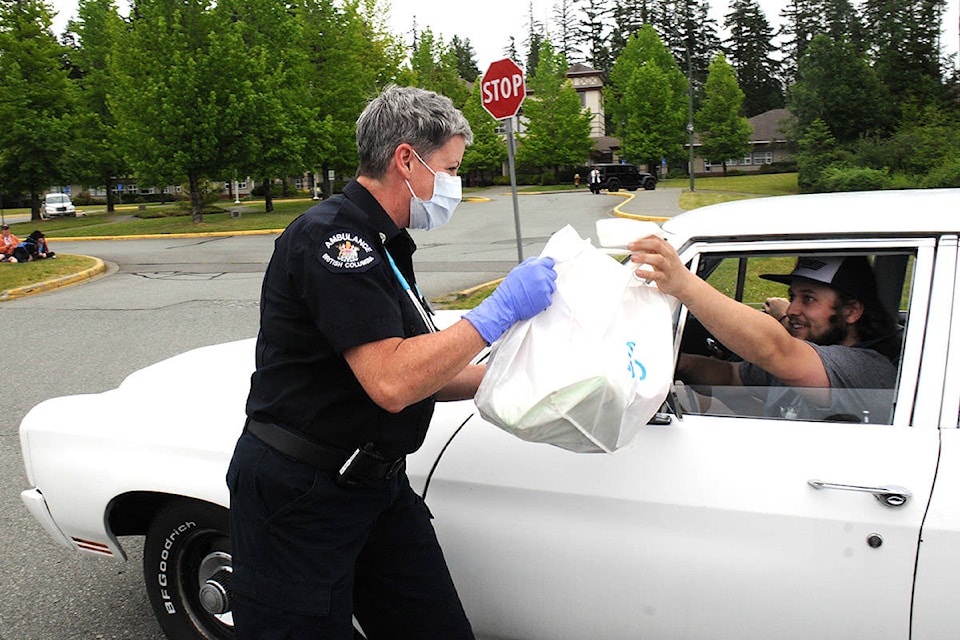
(526, 291)
(776, 307)
(661, 264)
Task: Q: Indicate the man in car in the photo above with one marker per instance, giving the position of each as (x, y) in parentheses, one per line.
(324, 524)
(833, 334)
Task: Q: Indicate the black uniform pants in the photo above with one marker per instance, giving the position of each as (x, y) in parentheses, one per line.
(308, 554)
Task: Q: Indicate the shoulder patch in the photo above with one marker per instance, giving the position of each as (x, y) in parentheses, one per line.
(347, 252)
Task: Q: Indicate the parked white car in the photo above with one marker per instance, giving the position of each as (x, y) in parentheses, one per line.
(56, 205)
(711, 524)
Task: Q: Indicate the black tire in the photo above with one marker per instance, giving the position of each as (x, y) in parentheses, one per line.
(613, 185)
(187, 544)
(649, 184)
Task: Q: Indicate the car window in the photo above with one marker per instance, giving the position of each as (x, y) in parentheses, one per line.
(861, 399)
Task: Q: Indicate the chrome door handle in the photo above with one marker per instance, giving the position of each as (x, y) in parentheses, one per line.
(890, 495)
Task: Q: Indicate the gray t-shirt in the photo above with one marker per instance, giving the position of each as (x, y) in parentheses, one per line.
(862, 385)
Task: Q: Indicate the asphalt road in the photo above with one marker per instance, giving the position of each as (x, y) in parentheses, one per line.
(161, 297)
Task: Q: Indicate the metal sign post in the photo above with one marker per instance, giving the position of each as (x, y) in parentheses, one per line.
(511, 151)
(502, 92)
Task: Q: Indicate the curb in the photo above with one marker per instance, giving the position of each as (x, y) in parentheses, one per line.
(634, 216)
(57, 283)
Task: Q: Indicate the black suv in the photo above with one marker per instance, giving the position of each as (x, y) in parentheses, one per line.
(614, 176)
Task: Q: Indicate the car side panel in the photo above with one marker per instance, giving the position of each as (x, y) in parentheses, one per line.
(80, 473)
(698, 530)
(936, 615)
(935, 611)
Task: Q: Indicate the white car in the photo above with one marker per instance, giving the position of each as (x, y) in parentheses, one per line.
(710, 524)
(56, 205)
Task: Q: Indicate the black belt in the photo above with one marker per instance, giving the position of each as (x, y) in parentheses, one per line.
(362, 465)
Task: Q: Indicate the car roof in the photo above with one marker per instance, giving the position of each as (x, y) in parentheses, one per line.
(855, 214)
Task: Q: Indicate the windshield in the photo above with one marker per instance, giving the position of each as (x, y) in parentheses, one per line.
(58, 198)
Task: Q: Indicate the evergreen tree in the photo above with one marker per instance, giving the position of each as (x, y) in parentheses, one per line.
(467, 67)
(837, 86)
(94, 32)
(628, 17)
(36, 103)
(818, 150)
(801, 22)
(565, 30)
(593, 36)
(840, 19)
(488, 151)
(724, 133)
(805, 19)
(691, 34)
(533, 42)
(905, 38)
(558, 131)
(435, 68)
(510, 51)
(750, 48)
(647, 101)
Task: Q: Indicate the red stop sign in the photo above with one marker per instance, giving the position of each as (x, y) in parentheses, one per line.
(502, 89)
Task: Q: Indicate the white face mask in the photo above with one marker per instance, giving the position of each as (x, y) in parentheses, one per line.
(447, 193)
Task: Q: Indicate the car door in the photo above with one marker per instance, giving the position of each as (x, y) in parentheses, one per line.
(935, 614)
(704, 527)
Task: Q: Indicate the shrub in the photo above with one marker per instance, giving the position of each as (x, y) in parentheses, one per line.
(945, 175)
(782, 166)
(854, 179)
(904, 181)
(548, 178)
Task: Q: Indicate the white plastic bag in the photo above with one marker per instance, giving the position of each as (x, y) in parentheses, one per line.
(590, 371)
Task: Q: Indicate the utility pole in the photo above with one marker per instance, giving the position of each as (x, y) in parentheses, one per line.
(688, 46)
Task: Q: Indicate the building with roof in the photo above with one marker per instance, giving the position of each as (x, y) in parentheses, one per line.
(769, 145)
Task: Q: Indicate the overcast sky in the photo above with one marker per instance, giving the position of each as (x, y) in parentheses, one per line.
(488, 24)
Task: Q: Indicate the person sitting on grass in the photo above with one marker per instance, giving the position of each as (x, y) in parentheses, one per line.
(8, 242)
(33, 248)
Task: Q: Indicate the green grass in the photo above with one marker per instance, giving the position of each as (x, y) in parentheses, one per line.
(21, 274)
(765, 184)
(168, 219)
(714, 190)
(756, 290)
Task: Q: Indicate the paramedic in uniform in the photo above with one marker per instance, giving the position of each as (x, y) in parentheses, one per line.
(324, 524)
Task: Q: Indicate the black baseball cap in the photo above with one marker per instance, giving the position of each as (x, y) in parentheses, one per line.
(851, 275)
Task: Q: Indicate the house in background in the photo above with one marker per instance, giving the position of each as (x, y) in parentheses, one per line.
(769, 145)
(768, 139)
(589, 85)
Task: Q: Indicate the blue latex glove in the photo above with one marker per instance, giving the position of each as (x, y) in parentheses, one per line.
(526, 291)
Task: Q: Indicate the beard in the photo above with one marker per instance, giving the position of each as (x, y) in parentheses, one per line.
(835, 333)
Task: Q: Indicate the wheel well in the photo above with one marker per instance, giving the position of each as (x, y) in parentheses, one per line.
(130, 514)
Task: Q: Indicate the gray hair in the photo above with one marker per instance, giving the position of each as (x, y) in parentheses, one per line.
(423, 119)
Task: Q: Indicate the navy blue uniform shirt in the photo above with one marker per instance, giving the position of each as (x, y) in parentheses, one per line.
(329, 286)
